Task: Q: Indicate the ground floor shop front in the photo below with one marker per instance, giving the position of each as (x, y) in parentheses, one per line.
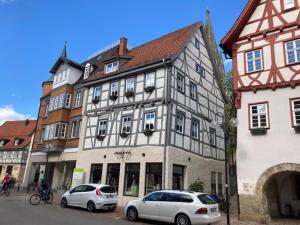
(15, 170)
(56, 167)
(135, 172)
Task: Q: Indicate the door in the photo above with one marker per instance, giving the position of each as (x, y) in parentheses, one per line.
(76, 195)
(86, 195)
(150, 206)
(169, 206)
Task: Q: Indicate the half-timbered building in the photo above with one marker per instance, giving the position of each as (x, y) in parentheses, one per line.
(148, 113)
(264, 44)
(16, 139)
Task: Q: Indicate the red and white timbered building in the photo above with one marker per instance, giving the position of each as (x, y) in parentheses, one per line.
(264, 44)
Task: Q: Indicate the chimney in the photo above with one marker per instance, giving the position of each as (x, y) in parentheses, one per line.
(26, 122)
(123, 46)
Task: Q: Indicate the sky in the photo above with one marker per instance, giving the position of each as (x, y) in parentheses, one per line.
(33, 33)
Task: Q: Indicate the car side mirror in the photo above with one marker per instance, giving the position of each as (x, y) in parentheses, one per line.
(71, 192)
(144, 200)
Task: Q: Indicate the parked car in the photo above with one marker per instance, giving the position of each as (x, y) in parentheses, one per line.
(179, 207)
(91, 197)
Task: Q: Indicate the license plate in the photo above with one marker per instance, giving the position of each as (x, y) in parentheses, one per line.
(109, 196)
(213, 210)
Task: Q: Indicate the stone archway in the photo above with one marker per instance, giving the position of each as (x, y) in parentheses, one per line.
(270, 187)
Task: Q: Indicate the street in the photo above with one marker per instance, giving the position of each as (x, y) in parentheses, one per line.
(16, 210)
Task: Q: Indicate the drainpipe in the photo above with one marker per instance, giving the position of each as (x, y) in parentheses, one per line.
(167, 100)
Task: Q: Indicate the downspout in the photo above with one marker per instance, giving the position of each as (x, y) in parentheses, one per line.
(168, 113)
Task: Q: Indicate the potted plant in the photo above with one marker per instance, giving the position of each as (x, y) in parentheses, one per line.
(129, 94)
(258, 131)
(113, 96)
(197, 186)
(149, 89)
(100, 137)
(124, 134)
(148, 132)
(96, 100)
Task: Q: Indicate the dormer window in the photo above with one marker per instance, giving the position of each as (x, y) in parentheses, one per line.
(112, 67)
(3, 142)
(87, 70)
(288, 4)
(18, 141)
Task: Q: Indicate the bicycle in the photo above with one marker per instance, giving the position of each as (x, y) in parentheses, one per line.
(5, 192)
(36, 198)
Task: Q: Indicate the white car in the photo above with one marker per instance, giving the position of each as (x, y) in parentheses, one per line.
(179, 207)
(91, 197)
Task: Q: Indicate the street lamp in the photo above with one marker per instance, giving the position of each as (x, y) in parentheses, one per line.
(223, 125)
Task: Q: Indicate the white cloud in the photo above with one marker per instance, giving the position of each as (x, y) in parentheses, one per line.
(2, 2)
(227, 61)
(8, 112)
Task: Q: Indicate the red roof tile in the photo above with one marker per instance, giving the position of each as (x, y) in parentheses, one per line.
(148, 53)
(17, 129)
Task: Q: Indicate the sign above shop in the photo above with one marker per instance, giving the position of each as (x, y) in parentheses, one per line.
(121, 155)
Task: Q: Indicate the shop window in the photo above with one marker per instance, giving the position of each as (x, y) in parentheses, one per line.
(178, 177)
(113, 174)
(213, 182)
(96, 173)
(9, 170)
(132, 179)
(153, 177)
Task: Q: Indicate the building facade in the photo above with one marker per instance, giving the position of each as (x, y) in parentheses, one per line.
(146, 118)
(16, 139)
(264, 45)
(58, 126)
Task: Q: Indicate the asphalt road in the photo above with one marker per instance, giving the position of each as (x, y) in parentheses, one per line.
(16, 210)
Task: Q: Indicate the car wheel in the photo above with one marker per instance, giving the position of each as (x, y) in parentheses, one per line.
(64, 203)
(182, 219)
(132, 214)
(91, 206)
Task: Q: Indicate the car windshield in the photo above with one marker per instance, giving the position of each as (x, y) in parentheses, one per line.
(107, 189)
(206, 200)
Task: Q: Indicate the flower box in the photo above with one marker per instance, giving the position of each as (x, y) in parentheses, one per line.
(258, 131)
(148, 132)
(149, 89)
(96, 100)
(100, 137)
(129, 94)
(113, 97)
(124, 135)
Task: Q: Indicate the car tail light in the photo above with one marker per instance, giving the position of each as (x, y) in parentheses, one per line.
(98, 192)
(202, 211)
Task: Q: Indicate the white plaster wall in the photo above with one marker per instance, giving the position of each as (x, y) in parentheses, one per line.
(255, 154)
(73, 75)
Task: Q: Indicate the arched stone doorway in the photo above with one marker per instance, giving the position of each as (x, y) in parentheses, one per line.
(280, 190)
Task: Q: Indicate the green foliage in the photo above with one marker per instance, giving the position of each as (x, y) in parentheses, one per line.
(197, 186)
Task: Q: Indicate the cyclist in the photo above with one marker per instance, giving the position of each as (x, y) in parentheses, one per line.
(6, 182)
(44, 188)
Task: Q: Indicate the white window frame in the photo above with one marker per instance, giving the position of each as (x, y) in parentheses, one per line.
(259, 115)
(73, 128)
(180, 122)
(200, 70)
(193, 90)
(61, 101)
(46, 109)
(212, 136)
(56, 103)
(150, 79)
(180, 83)
(294, 51)
(111, 67)
(63, 130)
(149, 119)
(68, 100)
(126, 124)
(87, 71)
(195, 122)
(102, 127)
(56, 130)
(294, 111)
(97, 92)
(114, 88)
(78, 99)
(130, 85)
(253, 60)
(288, 4)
